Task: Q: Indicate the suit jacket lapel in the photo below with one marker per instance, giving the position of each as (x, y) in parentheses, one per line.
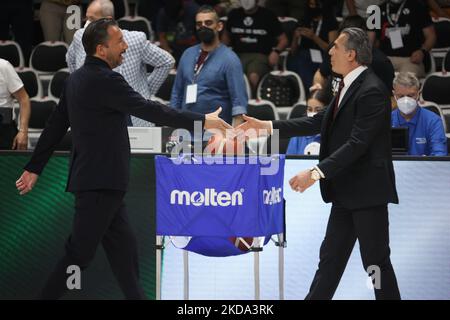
(329, 113)
(326, 124)
(353, 87)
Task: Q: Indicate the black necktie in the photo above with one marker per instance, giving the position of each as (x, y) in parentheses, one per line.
(338, 96)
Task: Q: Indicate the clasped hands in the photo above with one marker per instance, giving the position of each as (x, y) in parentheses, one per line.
(252, 127)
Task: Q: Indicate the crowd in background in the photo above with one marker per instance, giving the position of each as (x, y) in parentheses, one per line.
(257, 37)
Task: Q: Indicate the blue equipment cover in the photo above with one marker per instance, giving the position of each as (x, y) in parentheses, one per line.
(215, 203)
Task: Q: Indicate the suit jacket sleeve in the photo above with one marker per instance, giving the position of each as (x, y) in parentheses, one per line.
(53, 133)
(372, 116)
(304, 126)
(124, 99)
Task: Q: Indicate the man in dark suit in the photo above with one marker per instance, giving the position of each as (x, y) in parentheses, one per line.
(355, 168)
(95, 104)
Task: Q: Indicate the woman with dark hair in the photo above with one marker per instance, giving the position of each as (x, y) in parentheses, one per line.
(310, 145)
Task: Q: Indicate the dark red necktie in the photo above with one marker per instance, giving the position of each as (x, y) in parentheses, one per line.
(338, 96)
(201, 60)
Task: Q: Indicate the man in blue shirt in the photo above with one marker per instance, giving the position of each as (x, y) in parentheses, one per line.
(210, 74)
(426, 130)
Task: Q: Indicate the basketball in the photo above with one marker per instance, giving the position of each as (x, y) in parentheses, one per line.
(242, 243)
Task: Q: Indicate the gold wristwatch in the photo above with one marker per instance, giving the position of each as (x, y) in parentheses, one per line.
(315, 175)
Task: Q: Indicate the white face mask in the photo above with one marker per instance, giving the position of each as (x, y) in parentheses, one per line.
(407, 105)
(311, 114)
(248, 4)
(87, 23)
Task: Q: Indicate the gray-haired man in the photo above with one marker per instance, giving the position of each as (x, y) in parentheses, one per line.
(355, 168)
(426, 129)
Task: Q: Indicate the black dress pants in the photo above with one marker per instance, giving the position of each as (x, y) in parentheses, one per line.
(100, 218)
(371, 227)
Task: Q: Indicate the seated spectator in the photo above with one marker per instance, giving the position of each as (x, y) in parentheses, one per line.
(311, 41)
(407, 34)
(53, 16)
(213, 71)
(426, 131)
(176, 26)
(255, 34)
(317, 101)
(381, 65)
(287, 8)
(12, 87)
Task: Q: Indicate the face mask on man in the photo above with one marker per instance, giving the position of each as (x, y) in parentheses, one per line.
(311, 114)
(248, 4)
(406, 105)
(206, 35)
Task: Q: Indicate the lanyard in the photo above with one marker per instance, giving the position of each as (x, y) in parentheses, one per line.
(319, 26)
(198, 68)
(397, 15)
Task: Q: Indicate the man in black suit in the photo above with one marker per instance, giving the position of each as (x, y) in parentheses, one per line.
(355, 168)
(95, 104)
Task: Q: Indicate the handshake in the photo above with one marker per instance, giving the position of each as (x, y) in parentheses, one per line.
(228, 140)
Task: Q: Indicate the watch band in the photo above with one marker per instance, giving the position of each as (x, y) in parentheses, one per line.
(315, 175)
(320, 172)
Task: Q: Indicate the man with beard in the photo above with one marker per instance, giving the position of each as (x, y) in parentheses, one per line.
(210, 74)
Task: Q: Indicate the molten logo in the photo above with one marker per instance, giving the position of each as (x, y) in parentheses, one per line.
(272, 196)
(207, 198)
